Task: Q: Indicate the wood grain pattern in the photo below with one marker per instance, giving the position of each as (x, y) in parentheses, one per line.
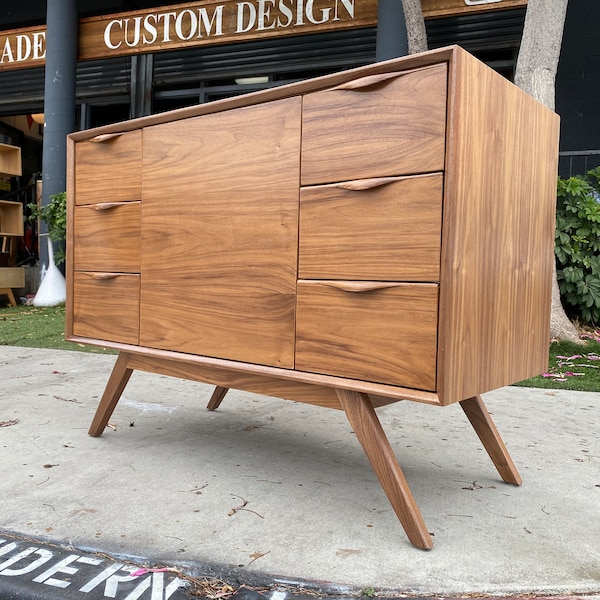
(119, 378)
(389, 232)
(222, 22)
(10, 160)
(108, 239)
(442, 8)
(413, 61)
(70, 240)
(393, 127)
(11, 218)
(372, 438)
(109, 170)
(498, 234)
(12, 277)
(386, 335)
(381, 394)
(484, 426)
(217, 397)
(219, 269)
(106, 306)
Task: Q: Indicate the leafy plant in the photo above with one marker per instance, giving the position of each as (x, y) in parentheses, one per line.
(577, 244)
(54, 214)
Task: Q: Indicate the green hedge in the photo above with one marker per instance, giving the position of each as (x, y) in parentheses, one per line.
(577, 245)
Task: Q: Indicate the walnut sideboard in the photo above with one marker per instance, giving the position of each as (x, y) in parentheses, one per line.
(376, 235)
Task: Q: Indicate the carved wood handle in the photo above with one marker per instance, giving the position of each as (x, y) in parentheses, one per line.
(105, 137)
(359, 185)
(105, 205)
(358, 287)
(364, 83)
(102, 276)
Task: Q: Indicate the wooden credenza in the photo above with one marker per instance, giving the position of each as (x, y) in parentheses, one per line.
(380, 234)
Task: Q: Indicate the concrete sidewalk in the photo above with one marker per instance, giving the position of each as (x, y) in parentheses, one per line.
(283, 490)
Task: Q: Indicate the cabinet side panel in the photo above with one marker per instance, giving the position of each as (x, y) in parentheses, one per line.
(69, 243)
(498, 234)
(219, 234)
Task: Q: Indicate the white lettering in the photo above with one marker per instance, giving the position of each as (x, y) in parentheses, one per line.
(476, 2)
(311, 17)
(107, 39)
(264, 13)
(39, 51)
(287, 11)
(7, 52)
(241, 26)
(63, 567)
(193, 25)
(217, 15)
(23, 47)
(44, 557)
(300, 12)
(150, 29)
(136, 32)
(166, 17)
(101, 577)
(348, 5)
(8, 548)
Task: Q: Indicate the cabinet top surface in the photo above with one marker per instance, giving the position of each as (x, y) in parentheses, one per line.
(405, 63)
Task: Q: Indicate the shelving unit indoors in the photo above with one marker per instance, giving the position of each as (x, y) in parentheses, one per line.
(11, 225)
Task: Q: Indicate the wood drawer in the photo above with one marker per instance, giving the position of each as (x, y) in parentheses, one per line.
(106, 306)
(374, 331)
(377, 229)
(392, 124)
(107, 237)
(109, 168)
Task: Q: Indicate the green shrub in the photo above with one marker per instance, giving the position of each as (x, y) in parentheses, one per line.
(54, 214)
(577, 245)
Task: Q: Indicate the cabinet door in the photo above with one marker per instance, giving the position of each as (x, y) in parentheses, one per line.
(219, 234)
(373, 331)
(387, 228)
(392, 124)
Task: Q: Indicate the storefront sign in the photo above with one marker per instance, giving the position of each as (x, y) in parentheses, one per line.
(212, 22)
(444, 8)
(217, 21)
(22, 48)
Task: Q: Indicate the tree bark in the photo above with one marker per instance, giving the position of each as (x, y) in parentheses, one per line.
(415, 26)
(537, 64)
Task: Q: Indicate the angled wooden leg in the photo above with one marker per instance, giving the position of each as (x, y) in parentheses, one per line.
(114, 388)
(485, 428)
(370, 434)
(11, 296)
(217, 397)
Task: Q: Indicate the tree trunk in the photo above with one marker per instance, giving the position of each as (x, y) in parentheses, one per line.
(536, 74)
(415, 26)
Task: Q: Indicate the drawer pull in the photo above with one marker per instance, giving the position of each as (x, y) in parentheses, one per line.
(105, 137)
(103, 276)
(364, 83)
(105, 205)
(358, 287)
(359, 185)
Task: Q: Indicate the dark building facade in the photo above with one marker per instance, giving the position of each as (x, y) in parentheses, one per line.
(115, 88)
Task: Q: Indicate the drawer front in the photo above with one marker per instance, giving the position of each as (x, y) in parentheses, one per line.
(392, 124)
(386, 333)
(106, 306)
(377, 229)
(109, 168)
(107, 237)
